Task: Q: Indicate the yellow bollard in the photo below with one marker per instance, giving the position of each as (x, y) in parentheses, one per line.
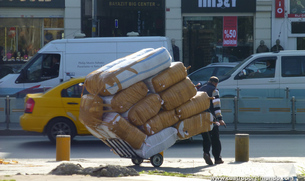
(63, 147)
(241, 147)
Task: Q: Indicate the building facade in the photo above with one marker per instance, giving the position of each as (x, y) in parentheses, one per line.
(197, 26)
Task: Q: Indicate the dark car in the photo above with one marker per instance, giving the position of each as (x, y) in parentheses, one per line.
(203, 74)
(4, 70)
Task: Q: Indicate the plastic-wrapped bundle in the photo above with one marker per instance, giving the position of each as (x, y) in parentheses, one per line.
(134, 68)
(144, 109)
(159, 122)
(168, 77)
(158, 142)
(91, 110)
(194, 125)
(197, 104)
(125, 99)
(114, 126)
(178, 94)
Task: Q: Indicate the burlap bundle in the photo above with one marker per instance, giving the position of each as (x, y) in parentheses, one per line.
(125, 99)
(197, 104)
(178, 94)
(159, 122)
(91, 110)
(194, 125)
(117, 127)
(134, 68)
(145, 109)
(168, 77)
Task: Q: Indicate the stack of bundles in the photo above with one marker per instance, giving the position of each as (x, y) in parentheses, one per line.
(118, 88)
(110, 79)
(194, 125)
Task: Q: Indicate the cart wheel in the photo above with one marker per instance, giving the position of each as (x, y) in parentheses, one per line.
(156, 160)
(137, 161)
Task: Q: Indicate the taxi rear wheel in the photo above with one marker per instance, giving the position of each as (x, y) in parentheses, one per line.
(60, 126)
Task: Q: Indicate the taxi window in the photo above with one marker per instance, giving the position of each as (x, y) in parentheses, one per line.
(74, 91)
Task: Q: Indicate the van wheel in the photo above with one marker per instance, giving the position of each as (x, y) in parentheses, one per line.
(60, 126)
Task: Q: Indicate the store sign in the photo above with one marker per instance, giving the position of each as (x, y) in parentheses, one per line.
(229, 31)
(143, 3)
(33, 3)
(297, 9)
(218, 6)
(279, 8)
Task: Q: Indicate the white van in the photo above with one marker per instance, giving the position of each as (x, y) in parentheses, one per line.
(271, 75)
(77, 57)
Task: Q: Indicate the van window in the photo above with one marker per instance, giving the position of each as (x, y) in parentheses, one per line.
(261, 68)
(42, 67)
(293, 66)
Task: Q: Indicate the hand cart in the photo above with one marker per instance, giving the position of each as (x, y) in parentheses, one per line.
(124, 150)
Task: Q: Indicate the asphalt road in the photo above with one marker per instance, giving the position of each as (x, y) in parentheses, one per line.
(39, 147)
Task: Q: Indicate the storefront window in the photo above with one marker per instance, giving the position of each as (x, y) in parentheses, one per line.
(203, 38)
(21, 38)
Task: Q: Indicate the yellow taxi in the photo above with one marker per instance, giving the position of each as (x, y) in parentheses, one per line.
(56, 111)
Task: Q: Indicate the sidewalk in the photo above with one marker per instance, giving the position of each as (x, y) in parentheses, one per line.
(267, 168)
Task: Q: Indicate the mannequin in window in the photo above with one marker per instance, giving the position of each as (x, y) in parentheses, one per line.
(277, 47)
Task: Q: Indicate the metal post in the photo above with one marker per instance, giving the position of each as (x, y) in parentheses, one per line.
(94, 9)
(7, 111)
(293, 114)
(236, 98)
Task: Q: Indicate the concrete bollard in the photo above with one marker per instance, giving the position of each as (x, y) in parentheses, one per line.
(241, 147)
(63, 147)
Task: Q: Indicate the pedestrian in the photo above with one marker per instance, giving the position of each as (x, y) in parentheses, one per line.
(211, 138)
(262, 47)
(277, 47)
(175, 50)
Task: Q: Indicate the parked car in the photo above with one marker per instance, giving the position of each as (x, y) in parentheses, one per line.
(202, 75)
(56, 111)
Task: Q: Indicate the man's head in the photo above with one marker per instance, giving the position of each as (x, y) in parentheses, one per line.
(262, 42)
(277, 42)
(173, 41)
(214, 80)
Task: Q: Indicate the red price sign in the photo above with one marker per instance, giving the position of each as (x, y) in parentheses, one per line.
(229, 31)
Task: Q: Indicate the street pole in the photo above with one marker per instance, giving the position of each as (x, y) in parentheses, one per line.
(94, 8)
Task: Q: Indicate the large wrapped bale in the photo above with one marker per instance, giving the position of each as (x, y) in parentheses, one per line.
(194, 125)
(145, 109)
(168, 77)
(159, 122)
(114, 126)
(134, 68)
(158, 142)
(91, 110)
(125, 99)
(197, 104)
(178, 94)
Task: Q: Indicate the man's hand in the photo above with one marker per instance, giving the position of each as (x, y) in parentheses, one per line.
(222, 123)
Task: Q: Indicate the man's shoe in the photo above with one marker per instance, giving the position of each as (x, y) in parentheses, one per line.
(207, 159)
(218, 161)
